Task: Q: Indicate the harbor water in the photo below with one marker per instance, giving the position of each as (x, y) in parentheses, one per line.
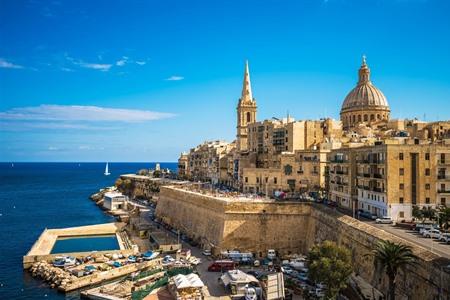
(35, 196)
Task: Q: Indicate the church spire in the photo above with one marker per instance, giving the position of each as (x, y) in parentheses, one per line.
(246, 86)
(364, 72)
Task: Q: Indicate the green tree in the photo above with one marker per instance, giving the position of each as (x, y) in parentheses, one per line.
(444, 217)
(157, 174)
(417, 213)
(331, 265)
(428, 213)
(143, 172)
(392, 257)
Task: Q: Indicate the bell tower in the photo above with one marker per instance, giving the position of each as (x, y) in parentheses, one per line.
(246, 111)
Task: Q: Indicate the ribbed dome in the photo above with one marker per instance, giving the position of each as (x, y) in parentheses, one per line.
(365, 94)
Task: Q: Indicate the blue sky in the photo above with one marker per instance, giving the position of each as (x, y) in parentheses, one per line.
(145, 80)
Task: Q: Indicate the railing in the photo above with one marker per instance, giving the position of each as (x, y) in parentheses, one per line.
(443, 161)
(443, 191)
(339, 161)
(342, 172)
(443, 177)
(366, 174)
(376, 175)
(379, 190)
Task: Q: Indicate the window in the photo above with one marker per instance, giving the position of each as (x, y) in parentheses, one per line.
(401, 214)
(427, 172)
(267, 179)
(443, 201)
(246, 179)
(427, 186)
(427, 156)
(275, 180)
(400, 200)
(400, 156)
(402, 186)
(248, 117)
(401, 171)
(427, 200)
(257, 179)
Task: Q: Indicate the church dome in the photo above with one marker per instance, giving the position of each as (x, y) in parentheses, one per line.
(365, 95)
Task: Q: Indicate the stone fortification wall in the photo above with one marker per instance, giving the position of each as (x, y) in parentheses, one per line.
(227, 225)
(200, 216)
(419, 282)
(295, 227)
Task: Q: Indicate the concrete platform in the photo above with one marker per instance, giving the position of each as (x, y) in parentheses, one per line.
(41, 250)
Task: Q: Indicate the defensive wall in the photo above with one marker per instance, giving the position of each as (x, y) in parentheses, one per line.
(223, 223)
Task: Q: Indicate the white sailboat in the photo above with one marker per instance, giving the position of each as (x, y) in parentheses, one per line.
(107, 170)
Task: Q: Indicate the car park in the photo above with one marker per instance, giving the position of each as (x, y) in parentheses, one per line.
(384, 220)
(431, 233)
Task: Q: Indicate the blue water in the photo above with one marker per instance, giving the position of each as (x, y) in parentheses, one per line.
(35, 196)
(85, 244)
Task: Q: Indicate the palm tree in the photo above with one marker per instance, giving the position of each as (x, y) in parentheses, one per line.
(392, 257)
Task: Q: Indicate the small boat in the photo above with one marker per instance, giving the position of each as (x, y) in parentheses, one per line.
(149, 255)
(131, 259)
(65, 261)
(12, 165)
(107, 170)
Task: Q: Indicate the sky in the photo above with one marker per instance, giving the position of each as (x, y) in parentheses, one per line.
(146, 80)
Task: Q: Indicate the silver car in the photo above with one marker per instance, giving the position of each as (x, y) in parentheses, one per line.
(384, 220)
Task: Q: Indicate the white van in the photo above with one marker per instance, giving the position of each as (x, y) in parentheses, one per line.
(271, 254)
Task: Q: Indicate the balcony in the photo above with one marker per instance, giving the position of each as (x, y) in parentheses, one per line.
(444, 191)
(339, 161)
(376, 175)
(443, 177)
(341, 172)
(378, 190)
(366, 175)
(443, 161)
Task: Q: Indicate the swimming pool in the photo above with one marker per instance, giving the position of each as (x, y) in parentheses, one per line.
(85, 244)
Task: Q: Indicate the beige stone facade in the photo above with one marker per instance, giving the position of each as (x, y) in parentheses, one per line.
(203, 162)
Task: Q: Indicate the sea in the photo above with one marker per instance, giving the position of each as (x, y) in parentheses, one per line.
(35, 196)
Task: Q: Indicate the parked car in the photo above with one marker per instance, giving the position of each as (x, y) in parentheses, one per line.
(256, 263)
(222, 265)
(367, 215)
(287, 270)
(271, 254)
(431, 233)
(423, 226)
(444, 237)
(384, 220)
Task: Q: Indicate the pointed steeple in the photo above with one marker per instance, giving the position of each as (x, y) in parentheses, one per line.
(364, 72)
(246, 86)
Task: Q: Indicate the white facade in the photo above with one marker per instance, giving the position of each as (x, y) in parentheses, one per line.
(114, 201)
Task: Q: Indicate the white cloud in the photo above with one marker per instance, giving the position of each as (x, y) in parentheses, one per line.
(83, 64)
(52, 148)
(100, 67)
(69, 113)
(67, 69)
(175, 78)
(9, 65)
(121, 62)
(140, 62)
